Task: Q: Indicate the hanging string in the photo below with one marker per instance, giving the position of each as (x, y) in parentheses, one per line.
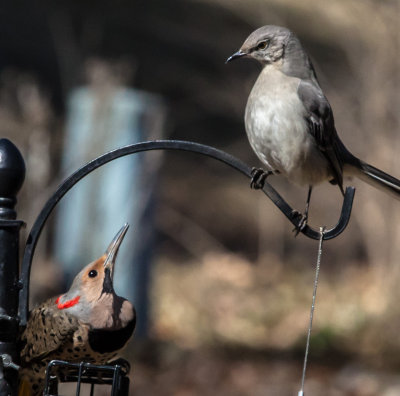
(303, 378)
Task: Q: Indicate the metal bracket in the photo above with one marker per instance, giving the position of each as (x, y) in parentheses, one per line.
(8, 363)
(208, 151)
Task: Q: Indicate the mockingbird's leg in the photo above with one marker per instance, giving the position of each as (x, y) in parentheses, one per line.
(258, 177)
(303, 217)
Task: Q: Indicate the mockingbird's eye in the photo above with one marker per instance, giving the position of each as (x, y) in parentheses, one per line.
(92, 274)
(262, 44)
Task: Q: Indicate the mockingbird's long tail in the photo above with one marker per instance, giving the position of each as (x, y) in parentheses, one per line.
(377, 178)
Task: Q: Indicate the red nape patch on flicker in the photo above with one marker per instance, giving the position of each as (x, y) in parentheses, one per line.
(67, 304)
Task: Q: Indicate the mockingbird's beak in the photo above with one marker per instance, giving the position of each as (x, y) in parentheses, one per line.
(236, 55)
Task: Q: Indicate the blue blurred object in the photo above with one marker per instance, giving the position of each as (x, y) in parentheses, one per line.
(103, 116)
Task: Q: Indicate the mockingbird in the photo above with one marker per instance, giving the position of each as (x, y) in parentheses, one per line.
(289, 121)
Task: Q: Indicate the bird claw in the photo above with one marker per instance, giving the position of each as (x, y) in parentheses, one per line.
(258, 177)
(303, 219)
(125, 365)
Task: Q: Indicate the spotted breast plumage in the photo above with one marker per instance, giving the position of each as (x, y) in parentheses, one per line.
(88, 323)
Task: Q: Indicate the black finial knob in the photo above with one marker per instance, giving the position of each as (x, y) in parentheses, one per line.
(12, 175)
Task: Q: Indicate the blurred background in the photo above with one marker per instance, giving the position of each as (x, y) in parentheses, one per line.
(222, 286)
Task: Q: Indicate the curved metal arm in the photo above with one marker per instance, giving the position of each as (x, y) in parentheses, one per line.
(160, 145)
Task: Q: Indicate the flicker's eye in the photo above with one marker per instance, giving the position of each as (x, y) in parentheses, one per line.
(262, 45)
(92, 274)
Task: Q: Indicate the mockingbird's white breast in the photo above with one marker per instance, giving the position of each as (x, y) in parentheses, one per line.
(278, 132)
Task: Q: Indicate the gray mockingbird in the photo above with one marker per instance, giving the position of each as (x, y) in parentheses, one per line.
(289, 121)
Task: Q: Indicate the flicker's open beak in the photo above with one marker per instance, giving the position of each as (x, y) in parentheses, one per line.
(113, 247)
(236, 55)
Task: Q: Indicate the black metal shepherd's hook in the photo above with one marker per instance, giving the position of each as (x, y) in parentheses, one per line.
(162, 145)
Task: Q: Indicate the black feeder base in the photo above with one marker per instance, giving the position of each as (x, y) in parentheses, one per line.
(86, 373)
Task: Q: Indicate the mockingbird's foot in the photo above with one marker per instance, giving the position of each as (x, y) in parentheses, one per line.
(302, 222)
(258, 177)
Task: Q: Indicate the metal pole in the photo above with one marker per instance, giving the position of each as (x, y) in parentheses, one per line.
(12, 174)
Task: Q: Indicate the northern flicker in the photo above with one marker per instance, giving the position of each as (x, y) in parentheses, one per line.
(88, 323)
